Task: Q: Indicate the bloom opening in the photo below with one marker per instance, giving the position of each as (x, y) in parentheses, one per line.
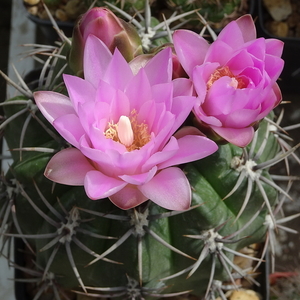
(236, 81)
(129, 132)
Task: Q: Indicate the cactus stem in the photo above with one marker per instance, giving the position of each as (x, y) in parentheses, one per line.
(247, 197)
(131, 291)
(276, 159)
(11, 118)
(111, 295)
(50, 260)
(15, 220)
(160, 240)
(240, 179)
(49, 206)
(114, 246)
(140, 259)
(23, 89)
(51, 133)
(33, 236)
(223, 259)
(72, 263)
(266, 199)
(99, 236)
(240, 254)
(15, 102)
(91, 252)
(204, 253)
(105, 215)
(139, 220)
(171, 213)
(248, 167)
(22, 136)
(37, 209)
(275, 186)
(167, 295)
(214, 246)
(281, 138)
(49, 281)
(216, 286)
(285, 178)
(211, 276)
(270, 240)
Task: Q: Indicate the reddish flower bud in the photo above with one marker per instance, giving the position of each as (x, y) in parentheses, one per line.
(111, 30)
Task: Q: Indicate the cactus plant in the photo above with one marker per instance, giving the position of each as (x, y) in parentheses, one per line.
(78, 246)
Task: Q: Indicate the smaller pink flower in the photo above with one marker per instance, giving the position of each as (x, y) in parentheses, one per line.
(234, 78)
(123, 122)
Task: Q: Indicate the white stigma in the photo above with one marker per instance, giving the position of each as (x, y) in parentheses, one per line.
(125, 132)
(234, 83)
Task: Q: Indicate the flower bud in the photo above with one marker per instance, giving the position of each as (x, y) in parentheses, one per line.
(111, 30)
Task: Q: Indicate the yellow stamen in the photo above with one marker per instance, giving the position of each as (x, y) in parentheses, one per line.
(236, 82)
(128, 132)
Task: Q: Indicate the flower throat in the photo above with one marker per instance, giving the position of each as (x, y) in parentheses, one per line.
(236, 82)
(128, 132)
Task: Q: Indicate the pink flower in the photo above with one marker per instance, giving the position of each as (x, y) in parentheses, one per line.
(234, 78)
(113, 31)
(121, 125)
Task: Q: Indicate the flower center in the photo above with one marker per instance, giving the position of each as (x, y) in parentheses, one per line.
(236, 82)
(128, 132)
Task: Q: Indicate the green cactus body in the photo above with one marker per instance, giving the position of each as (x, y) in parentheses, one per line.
(146, 251)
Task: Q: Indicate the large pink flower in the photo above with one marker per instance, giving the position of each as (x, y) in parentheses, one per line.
(121, 124)
(234, 78)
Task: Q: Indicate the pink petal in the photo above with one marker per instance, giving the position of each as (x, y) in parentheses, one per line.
(96, 59)
(190, 48)
(220, 97)
(240, 61)
(53, 105)
(118, 72)
(211, 120)
(182, 106)
(239, 137)
(240, 118)
(68, 166)
(164, 155)
(134, 94)
(201, 75)
(238, 32)
(160, 64)
(247, 27)
(79, 90)
(98, 186)
(191, 148)
(169, 189)
(138, 179)
(183, 87)
(128, 197)
(163, 93)
(220, 52)
(69, 127)
(274, 47)
(273, 66)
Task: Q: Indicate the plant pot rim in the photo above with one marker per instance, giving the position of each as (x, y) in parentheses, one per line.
(261, 19)
(48, 21)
